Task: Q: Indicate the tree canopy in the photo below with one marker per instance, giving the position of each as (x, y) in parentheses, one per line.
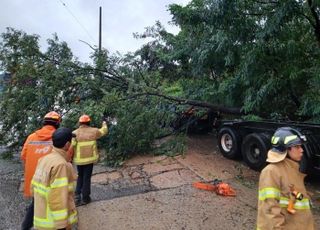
(256, 55)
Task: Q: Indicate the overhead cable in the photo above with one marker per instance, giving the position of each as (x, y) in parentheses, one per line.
(70, 12)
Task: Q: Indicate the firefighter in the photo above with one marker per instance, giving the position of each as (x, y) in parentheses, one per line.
(85, 155)
(38, 144)
(275, 210)
(53, 186)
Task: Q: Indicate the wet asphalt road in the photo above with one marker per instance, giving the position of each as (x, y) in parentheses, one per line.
(12, 202)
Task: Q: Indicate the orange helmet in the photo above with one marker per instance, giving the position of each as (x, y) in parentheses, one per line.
(53, 116)
(84, 118)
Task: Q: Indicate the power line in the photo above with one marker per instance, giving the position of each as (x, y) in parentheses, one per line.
(77, 21)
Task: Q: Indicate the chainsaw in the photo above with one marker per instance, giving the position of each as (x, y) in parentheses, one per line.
(217, 186)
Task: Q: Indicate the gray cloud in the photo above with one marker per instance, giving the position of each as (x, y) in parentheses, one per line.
(78, 20)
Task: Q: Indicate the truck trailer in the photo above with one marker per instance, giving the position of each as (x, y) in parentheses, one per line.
(251, 140)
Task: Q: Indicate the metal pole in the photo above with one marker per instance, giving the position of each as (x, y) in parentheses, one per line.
(100, 26)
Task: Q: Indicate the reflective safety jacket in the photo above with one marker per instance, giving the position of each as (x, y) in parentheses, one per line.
(38, 144)
(53, 186)
(85, 144)
(274, 193)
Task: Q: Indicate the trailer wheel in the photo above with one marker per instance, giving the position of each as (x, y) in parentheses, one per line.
(254, 150)
(229, 143)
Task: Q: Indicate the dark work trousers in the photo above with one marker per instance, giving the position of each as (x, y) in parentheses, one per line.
(84, 181)
(28, 219)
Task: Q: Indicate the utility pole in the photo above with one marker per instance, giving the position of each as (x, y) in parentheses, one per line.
(100, 26)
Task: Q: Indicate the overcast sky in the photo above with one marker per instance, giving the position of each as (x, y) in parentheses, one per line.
(75, 20)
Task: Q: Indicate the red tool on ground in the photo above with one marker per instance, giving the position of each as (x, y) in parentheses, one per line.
(217, 186)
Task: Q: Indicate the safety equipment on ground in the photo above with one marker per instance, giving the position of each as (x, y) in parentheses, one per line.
(52, 116)
(225, 189)
(286, 137)
(84, 118)
(217, 186)
(294, 195)
(204, 186)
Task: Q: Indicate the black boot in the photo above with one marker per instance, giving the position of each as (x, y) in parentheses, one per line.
(86, 200)
(77, 199)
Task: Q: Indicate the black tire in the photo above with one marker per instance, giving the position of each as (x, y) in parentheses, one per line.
(229, 142)
(254, 150)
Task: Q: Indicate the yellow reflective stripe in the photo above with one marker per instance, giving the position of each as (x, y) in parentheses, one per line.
(290, 138)
(55, 216)
(299, 204)
(73, 142)
(84, 160)
(52, 216)
(60, 215)
(302, 204)
(78, 159)
(73, 217)
(274, 140)
(85, 143)
(59, 182)
(284, 201)
(44, 223)
(72, 186)
(40, 188)
(266, 193)
(37, 190)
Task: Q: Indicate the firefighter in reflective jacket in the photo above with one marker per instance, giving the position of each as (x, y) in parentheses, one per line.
(38, 144)
(276, 210)
(53, 186)
(85, 155)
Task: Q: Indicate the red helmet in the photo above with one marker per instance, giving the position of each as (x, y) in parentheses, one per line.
(53, 116)
(84, 118)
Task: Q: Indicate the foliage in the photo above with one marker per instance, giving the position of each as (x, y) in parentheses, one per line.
(37, 82)
(261, 56)
(55, 80)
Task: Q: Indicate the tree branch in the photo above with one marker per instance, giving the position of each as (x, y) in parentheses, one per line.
(317, 20)
(216, 108)
(88, 45)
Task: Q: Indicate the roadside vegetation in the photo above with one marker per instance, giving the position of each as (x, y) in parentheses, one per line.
(259, 58)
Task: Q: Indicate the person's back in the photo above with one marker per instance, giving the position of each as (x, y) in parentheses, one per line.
(86, 151)
(85, 155)
(53, 184)
(37, 145)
